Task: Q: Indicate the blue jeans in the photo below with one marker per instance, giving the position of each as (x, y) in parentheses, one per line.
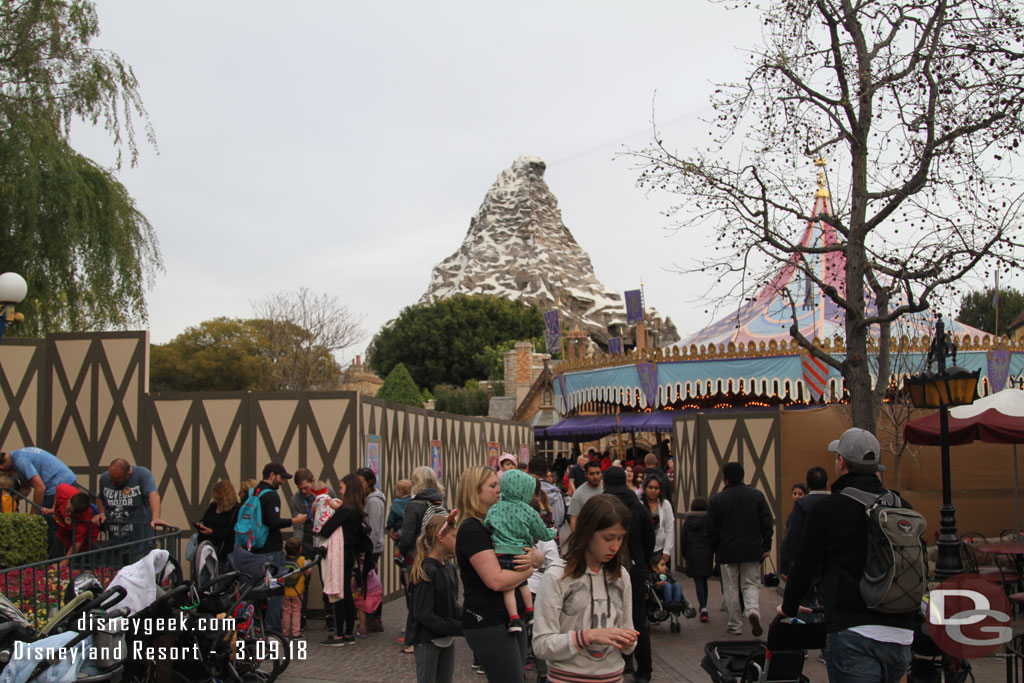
(272, 617)
(701, 584)
(672, 592)
(852, 658)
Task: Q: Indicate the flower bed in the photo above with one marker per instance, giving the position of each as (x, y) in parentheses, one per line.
(38, 592)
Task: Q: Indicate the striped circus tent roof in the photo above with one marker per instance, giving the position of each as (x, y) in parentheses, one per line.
(770, 316)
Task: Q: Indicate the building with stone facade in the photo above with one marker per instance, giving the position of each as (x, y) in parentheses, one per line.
(357, 377)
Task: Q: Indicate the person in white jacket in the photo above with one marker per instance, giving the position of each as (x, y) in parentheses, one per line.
(583, 614)
(663, 518)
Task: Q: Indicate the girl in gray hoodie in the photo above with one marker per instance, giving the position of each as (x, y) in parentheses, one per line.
(584, 614)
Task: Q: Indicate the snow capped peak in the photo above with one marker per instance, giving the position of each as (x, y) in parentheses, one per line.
(518, 247)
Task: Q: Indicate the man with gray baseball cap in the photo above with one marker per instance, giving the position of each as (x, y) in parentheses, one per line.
(860, 449)
(862, 644)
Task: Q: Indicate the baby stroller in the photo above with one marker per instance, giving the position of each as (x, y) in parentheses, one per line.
(658, 611)
(779, 660)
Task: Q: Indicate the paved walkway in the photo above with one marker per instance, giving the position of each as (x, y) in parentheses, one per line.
(378, 658)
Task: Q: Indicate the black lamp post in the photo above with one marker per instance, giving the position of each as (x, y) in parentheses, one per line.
(947, 387)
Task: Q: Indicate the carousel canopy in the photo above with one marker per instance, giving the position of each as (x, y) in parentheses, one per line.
(652, 382)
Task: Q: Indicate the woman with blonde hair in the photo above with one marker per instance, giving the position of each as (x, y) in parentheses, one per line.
(426, 491)
(218, 522)
(246, 486)
(427, 496)
(501, 654)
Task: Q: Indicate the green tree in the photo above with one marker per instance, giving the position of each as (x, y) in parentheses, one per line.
(399, 387)
(978, 308)
(228, 354)
(66, 223)
(224, 354)
(920, 104)
(444, 342)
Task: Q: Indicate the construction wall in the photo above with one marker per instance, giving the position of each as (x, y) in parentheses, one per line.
(84, 397)
(778, 448)
(703, 442)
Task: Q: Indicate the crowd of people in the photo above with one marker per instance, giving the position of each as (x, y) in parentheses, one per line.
(554, 565)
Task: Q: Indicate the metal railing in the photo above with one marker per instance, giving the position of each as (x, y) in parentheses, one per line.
(19, 499)
(38, 589)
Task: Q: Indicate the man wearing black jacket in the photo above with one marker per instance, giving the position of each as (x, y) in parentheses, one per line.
(640, 539)
(740, 529)
(274, 474)
(861, 644)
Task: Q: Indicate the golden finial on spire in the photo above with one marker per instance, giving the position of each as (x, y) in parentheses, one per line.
(822, 190)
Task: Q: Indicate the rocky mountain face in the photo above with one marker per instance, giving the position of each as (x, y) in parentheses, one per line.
(518, 247)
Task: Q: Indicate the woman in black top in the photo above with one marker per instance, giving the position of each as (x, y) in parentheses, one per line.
(484, 617)
(350, 518)
(218, 523)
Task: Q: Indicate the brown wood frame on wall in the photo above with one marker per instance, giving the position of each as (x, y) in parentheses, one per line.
(753, 439)
(95, 388)
(21, 392)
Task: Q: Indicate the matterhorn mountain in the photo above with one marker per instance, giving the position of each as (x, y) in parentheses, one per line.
(518, 247)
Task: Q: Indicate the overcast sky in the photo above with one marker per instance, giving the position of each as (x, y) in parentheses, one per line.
(344, 146)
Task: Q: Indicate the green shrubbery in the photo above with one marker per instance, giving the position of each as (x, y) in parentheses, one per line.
(22, 539)
(469, 400)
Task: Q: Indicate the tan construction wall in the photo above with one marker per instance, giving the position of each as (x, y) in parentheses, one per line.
(777, 448)
(84, 397)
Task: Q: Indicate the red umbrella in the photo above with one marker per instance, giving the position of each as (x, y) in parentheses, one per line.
(998, 418)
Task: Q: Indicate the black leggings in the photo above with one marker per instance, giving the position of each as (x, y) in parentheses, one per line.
(501, 654)
(345, 609)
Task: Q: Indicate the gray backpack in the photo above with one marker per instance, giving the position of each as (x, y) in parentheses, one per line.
(896, 567)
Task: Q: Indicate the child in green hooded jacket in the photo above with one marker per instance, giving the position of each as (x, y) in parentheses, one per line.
(515, 528)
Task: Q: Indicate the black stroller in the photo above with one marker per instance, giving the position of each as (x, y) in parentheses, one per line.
(658, 611)
(779, 660)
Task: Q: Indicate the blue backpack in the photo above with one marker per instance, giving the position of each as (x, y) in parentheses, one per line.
(250, 531)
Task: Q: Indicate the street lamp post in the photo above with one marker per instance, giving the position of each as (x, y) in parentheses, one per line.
(12, 291)
(947, 387)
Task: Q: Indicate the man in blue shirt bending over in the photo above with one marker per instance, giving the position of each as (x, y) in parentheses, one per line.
(41, 472)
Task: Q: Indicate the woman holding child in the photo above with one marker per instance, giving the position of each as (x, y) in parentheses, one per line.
(349, 516)
(500, 653)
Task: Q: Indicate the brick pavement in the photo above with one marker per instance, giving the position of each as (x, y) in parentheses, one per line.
(378, 658)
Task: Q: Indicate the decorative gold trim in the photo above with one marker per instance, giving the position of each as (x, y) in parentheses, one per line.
(775, 347)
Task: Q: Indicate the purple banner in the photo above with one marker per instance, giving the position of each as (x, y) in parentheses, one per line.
(634, 306)
(615, 346)
(998, 369)
(648, 374)
(553, 331)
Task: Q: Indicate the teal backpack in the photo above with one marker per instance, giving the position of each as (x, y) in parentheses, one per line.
(250, 531)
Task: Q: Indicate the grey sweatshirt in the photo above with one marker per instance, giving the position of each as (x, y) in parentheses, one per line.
(565, 609)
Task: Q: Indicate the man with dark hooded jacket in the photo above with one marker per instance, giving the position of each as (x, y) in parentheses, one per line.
(640, 539)
(861, 644)
(740, 529)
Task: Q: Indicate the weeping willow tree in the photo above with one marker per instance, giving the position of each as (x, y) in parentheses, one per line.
(66, 224)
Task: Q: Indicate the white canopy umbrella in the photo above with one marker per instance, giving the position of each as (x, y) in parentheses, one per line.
(1009, 402)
